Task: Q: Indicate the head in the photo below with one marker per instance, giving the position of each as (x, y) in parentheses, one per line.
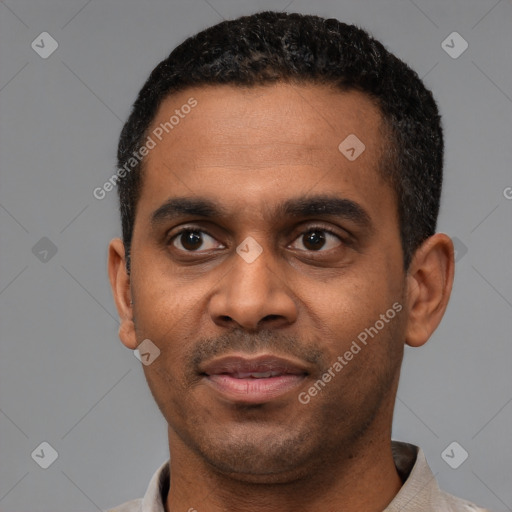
(344, 267)
(272, 47)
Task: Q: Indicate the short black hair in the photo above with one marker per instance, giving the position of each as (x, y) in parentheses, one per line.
(269, 47)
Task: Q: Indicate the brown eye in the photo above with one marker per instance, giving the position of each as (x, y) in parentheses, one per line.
(191, 240)
(317, 239)
(314, 240)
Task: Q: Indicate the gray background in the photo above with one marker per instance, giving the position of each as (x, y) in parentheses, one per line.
(64, 376)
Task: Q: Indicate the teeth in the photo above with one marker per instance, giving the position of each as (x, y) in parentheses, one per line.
(257, 375)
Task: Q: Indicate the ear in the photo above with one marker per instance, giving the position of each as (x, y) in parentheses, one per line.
(120, 284)
(429, 285)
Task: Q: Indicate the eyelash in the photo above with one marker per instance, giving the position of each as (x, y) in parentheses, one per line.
(196, 229)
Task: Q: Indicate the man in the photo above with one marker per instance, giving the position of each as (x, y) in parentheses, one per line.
(279, 179)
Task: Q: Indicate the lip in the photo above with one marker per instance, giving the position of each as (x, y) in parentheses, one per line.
(233, 377)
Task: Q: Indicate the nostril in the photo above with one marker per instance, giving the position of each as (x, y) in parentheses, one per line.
(271, 317)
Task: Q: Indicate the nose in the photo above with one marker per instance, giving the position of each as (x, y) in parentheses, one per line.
(253, 296)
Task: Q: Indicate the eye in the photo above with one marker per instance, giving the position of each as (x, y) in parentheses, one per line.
(318, 239)
(191, 240)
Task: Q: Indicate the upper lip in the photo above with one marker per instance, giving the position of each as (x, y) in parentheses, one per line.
(244, 364)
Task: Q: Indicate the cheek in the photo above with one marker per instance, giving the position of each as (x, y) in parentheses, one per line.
(359, 310)
(164, 302)
(365, 350)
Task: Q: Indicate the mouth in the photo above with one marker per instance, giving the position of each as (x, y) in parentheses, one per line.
(253, 380)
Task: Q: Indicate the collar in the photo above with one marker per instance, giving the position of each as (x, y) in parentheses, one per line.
(419, 492)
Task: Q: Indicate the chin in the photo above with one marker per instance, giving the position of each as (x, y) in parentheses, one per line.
(258, 455)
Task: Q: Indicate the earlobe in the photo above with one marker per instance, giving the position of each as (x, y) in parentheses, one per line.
(429, 285)
(120, 284)
(127, 334)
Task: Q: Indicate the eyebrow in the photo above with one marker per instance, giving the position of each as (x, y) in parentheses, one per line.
(304, 206)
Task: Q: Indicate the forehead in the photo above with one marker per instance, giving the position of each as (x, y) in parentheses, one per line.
(230, 116)
(253, 145)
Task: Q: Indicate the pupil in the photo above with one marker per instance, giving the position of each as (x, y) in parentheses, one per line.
(191, 240)
(315, 240)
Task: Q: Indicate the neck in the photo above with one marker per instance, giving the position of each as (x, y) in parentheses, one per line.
(361, 478)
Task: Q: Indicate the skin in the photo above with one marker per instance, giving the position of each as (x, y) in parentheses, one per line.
(250, 150)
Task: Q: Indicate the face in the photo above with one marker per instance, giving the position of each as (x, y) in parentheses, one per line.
(266, 266)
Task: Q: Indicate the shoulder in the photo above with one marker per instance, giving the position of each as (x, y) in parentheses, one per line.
(451, 503)
(420, 491)
(129, 506)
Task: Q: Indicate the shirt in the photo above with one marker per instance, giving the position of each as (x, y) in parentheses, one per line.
(419, 493)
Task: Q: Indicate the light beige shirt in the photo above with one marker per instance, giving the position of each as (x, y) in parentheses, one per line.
(420, 492)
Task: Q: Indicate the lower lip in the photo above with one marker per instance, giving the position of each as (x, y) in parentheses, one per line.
(254, 391)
